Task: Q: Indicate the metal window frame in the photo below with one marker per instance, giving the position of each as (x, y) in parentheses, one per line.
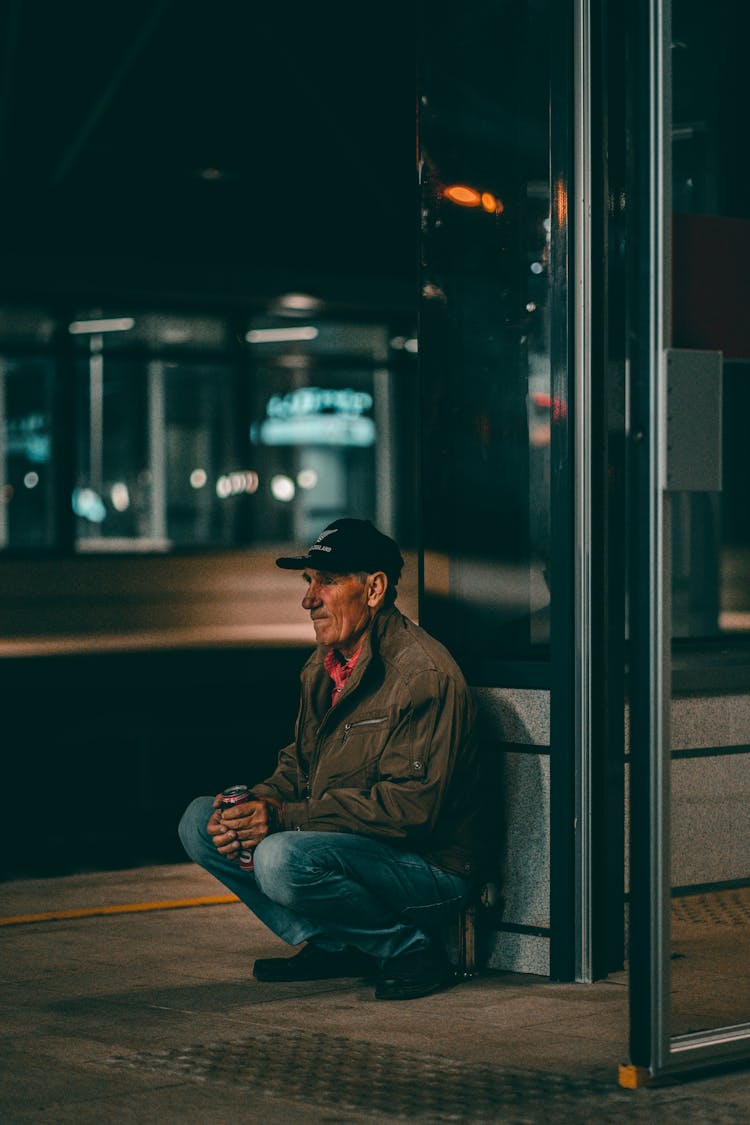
(582, 476)
(563, 929)
(651, 1044)
(587, 800)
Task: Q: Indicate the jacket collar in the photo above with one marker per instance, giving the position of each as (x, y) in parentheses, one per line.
(370, 646)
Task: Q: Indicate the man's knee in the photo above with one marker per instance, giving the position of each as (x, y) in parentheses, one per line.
(282, 866)
(192, 826)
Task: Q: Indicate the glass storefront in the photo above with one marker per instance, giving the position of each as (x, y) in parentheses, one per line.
(689, 871)
(710, 541)
(323, 407)
(26, 497)
(711, 239)
(194, 432)
(485, 284)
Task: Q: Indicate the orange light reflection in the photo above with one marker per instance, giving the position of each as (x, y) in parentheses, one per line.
(462, 195)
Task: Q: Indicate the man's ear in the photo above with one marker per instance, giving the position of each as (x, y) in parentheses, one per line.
(377, 584)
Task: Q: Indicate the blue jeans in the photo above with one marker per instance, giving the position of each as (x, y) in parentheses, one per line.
(334, 889)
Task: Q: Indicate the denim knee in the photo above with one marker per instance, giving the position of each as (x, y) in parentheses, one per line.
(277, 866)
(192, 826)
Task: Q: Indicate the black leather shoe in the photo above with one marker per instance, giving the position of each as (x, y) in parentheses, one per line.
(315, 964)
(413, 974)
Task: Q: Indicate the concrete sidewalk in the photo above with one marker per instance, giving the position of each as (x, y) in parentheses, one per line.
(153, 1016)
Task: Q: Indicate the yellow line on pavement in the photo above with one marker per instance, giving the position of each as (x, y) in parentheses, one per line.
(124, 908)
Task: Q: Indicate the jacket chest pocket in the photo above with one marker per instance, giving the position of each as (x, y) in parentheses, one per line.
(351, 756)
(362, 726)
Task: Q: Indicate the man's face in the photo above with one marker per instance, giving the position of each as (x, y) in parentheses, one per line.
(339, 609)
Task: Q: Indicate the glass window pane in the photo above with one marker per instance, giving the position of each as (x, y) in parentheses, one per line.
(193, 432)
(711, 241)
(320, 426)
(484, 137)
(157, 454)
(26, 480)
(112, 498)
(709, 775)
(208, 481)
(156, 332)
(734, 604)
(26, 326)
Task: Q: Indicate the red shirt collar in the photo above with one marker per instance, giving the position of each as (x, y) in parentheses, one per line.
(339, 670)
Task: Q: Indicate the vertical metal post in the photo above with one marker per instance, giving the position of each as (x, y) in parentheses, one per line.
(385, 444)
(650, 624)
(596, 595)
(157, 451)
(67, 452)
(385, 451)
(564, 84)
(661, 568)
(582, 466)
(96, 412)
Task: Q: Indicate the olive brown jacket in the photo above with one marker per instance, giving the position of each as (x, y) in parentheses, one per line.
(396, 759)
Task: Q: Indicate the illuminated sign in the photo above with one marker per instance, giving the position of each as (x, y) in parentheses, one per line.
(317, 416)
(29, 436)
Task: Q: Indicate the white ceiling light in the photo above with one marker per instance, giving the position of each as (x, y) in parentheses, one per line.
(281, 335)
(111, 324)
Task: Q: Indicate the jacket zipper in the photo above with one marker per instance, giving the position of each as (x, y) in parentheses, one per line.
(360, 723)
(307, 792)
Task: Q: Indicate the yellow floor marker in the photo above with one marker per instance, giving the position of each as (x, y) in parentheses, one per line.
(124, 908)
(633, 1077)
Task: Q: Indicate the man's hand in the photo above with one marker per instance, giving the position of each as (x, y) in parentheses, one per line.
(244, 825)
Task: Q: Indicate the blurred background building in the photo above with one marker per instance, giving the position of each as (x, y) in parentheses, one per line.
(208, 318)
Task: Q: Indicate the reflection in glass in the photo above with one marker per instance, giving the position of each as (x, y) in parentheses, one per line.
(711, 242)
(207, 477)
(710, 768)
(26, 453)
(320, 426)
(306, 420)
(111, 500)
(197, 431)
(484, 152)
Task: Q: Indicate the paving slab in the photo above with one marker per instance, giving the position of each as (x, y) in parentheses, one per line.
(154, 1016)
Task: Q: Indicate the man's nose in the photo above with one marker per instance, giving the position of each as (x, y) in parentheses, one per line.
(311, 597)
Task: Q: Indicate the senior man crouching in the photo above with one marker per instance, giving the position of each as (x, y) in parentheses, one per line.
(366, 835)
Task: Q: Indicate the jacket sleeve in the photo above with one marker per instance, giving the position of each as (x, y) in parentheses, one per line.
(282, 785)
(413, 772)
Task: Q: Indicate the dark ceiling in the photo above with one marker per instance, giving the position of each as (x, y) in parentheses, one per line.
(220, 148)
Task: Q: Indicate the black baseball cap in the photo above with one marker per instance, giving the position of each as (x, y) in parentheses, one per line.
(349, 545)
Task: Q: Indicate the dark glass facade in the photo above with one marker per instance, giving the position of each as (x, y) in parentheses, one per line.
(484, 112)
(187, 438)
(711, 240)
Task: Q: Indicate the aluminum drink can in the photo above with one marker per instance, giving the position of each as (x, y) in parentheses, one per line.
(235, 795)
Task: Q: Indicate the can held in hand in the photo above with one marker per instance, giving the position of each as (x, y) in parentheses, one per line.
(236, 795)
